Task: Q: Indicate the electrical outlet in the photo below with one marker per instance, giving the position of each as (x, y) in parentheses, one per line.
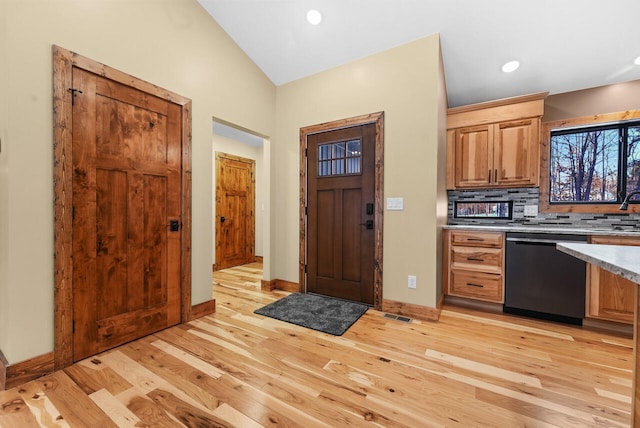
(411, 281)
(530, 210)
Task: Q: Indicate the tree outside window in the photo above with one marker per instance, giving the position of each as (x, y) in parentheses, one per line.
(594, 165)
(633, 159)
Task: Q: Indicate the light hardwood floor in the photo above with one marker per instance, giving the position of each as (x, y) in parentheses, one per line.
(235, 368)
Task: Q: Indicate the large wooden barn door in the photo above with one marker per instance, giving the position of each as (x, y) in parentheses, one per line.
(126, 213)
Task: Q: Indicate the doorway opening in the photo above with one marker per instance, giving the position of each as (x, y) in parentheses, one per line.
(240, 203)
(341, 208)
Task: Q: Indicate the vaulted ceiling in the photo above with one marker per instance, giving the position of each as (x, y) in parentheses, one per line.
(562, 45)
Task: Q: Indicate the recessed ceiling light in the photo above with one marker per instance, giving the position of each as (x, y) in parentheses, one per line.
(637, 61)
(314, 17)
(511, 66)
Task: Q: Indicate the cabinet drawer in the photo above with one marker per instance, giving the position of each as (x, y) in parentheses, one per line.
(477, 258)
(477, 285)
(477, 239)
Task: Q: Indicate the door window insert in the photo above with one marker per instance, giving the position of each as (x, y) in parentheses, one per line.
(341, 158)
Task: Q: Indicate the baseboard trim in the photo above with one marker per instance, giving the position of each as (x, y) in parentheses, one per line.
(3, 371)
(280, 284)
(292, 287)
(412, 311)
(267, 285)
(495, 308)
(608, 326)
(25, 371)
(202, 309)
(256, 259)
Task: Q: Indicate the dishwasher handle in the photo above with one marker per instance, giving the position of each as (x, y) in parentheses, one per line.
(538, 241)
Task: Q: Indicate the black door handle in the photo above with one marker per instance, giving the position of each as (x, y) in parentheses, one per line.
(222, 219)
(368, 224)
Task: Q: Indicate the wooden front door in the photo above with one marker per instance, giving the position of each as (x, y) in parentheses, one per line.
(126, 169)
(341, 213)
(235, 203)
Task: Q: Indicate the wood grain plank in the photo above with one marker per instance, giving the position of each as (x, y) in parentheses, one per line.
(14, 411)
(184, 412)
(58, 393)
(117, 411)
(91, 375)
(235, 368)
(234, 417)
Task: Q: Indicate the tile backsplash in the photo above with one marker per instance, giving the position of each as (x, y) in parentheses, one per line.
(530, 196)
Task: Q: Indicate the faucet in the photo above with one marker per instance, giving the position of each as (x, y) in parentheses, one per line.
(625, 203)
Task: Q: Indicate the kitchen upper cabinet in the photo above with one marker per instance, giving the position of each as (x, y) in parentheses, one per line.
(473, 148)
(609, 296)
(495, 144)
(516, 156)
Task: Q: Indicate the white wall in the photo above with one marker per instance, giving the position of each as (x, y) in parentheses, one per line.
(406, 83)
(171, 43)
(233, 147)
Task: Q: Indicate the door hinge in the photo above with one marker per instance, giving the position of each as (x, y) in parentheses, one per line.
(73, 94)
(305, 268)
(306, 152)
(73, 326)
(306, 210)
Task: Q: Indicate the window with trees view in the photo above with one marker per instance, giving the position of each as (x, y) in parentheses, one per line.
(590, 165)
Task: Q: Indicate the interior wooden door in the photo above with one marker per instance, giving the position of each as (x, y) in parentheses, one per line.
(235, 203)
(126, 213)
(340, 221)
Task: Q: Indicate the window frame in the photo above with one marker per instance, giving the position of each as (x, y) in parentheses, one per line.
(344, 160)
(545, 154)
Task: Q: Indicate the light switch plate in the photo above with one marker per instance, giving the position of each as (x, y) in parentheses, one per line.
(395, 204)
(411, 281)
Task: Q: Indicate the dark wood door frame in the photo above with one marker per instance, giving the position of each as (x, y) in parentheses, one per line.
(63, 63)
(378, 119)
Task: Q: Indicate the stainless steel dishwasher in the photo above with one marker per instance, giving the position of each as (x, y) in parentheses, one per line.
(541, 281)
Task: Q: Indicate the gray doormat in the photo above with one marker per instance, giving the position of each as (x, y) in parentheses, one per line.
(322, 313)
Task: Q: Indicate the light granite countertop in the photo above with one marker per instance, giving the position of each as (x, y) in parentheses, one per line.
(618, 259)
(546, 229)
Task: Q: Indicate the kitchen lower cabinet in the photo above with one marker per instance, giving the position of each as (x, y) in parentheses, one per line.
(474, 265)
(609, 296)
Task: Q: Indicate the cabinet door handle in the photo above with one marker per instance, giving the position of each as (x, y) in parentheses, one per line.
(495, 176)
(475, 285)
(475, 239)
(474, 259)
